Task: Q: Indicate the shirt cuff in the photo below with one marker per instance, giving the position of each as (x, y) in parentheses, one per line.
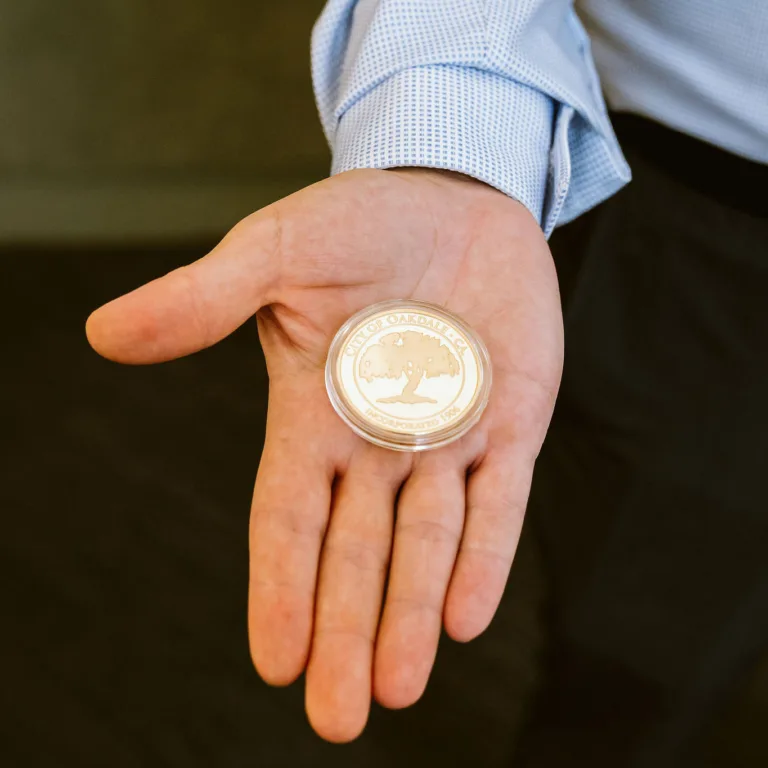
(461, 119)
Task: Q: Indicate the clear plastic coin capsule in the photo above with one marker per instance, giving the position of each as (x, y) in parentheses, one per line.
(408, 375)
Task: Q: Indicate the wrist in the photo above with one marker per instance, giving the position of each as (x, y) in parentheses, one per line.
(472, 188)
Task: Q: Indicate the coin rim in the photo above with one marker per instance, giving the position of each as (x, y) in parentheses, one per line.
(391, 439)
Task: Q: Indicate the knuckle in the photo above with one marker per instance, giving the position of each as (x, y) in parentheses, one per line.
(344, 632)
(295, 521)
(197, 310)
(499, 555)
(411, 604)
(358, 554)
(431, 531)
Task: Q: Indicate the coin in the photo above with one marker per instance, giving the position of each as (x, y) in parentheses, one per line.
(408, 375)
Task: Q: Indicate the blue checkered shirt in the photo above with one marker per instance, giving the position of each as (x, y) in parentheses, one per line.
(507, 91)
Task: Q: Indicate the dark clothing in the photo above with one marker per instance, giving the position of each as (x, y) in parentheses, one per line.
(650, 506)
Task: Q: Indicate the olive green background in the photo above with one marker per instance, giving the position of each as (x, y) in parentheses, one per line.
(147, 119)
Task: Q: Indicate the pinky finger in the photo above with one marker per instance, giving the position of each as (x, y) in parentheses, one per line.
(497, 494)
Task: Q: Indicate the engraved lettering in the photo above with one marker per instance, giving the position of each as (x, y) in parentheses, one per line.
(409, 426)
(449, 413)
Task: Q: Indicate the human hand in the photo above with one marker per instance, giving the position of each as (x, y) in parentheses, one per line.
(324, 533)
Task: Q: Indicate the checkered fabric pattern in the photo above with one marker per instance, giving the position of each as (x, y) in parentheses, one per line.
(507, 91)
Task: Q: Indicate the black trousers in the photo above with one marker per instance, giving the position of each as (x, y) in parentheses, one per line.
(649, 507)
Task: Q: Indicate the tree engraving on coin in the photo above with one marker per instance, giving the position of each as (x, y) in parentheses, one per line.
(412, 354)
(408, 375)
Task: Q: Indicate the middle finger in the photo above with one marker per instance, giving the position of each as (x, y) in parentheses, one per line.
(430, 515)
(352, 574)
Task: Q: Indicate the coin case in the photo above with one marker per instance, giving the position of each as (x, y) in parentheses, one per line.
(408, 375)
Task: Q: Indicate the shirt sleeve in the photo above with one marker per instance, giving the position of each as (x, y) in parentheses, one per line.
(501, 90)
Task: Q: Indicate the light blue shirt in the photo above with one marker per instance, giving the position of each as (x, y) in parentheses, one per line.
(507, 91)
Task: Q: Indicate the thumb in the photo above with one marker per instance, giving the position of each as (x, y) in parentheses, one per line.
(197, 305)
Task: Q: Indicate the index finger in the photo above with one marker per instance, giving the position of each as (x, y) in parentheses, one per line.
(291, 504)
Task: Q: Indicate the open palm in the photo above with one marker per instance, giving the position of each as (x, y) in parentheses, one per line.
(333, 516)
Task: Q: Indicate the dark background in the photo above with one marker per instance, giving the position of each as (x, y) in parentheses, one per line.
(148, 119)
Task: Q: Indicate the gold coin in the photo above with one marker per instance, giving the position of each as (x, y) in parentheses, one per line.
(408, 375)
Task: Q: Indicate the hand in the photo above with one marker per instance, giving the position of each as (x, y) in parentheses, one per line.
(324, 534)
